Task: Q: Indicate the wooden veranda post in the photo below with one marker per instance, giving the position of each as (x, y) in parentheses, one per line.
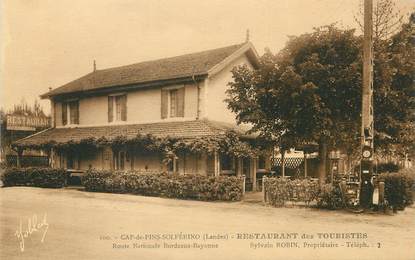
(264, 195)
(253, 173)
(19, 157)
(239, 166)
(216, 162)
(305, 165)
(283, 163)
(51, 158)
(175, 170)
(243, 184)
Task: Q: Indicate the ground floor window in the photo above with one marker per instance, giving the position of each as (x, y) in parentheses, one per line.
(227, 164)
(173, 166)
(119, 160)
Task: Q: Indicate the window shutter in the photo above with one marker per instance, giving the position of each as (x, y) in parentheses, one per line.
(73, 112)
(124, 108)
(110, 108)
(180, 102)
(164, 101)
(54, 114)
(64, 113)
(76, 121)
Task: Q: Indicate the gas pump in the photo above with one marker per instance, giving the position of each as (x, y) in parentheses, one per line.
(366, 172)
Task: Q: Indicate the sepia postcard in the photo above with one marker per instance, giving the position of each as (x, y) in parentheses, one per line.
(180, 129)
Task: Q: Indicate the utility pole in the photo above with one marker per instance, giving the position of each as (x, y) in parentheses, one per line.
(367, 130)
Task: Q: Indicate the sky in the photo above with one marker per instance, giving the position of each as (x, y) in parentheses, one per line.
(47, 43)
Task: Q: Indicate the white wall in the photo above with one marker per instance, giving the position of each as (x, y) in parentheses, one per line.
(191, 101)
(216, 92)
(151, 160)
(142, 106)
(93, 110)
(192, 164)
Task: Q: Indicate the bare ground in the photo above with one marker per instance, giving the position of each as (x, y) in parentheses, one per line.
(78, 222)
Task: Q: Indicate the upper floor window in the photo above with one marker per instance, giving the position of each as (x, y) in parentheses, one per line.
(172, 102)
(70, 112)
(117, 108)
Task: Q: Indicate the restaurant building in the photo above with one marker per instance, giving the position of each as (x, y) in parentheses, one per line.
(162, 115)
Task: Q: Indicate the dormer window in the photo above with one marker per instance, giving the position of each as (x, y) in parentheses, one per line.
(117, 108)
(70, 112)
(172, 102)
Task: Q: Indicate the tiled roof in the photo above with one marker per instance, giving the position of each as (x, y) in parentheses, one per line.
(185, 129)
(195, 64)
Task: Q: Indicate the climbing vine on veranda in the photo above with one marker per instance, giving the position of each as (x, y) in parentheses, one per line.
(227, 143)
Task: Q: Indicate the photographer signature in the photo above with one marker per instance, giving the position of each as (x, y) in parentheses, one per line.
(32, 226)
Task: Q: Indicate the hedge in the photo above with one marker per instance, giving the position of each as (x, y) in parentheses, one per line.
(189, 186)
(34, 176)
(399, 191)
(330, 197)
(399, 188)
(280, 190)
(387, 167)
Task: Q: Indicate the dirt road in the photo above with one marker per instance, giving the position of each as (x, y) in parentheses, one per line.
(81, 225)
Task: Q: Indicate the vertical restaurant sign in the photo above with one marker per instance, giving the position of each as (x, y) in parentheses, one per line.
(26, 123)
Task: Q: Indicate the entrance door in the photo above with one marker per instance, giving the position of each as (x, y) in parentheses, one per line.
(72, 160)
(246, 165)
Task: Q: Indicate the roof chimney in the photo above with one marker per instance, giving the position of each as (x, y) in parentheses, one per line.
(247, 36)
(95, 66)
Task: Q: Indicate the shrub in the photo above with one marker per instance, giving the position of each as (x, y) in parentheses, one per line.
(409, 173)
(387, 167)
(33, 176)
(280, 190)
(399, 188)
(190, 186)
(330, 197)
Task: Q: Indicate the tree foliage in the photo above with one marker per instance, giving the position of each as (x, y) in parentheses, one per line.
(308, 92)
(311, 91)
(25, 109)
(387, 19)
(393, 45)
(394, 85)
